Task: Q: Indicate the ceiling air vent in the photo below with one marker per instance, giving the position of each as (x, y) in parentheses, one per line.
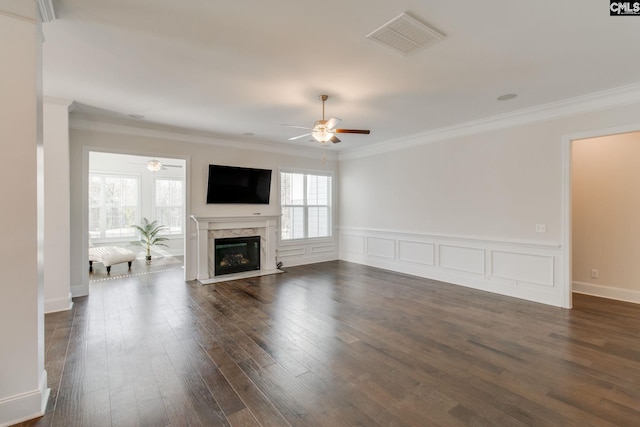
(405, 34)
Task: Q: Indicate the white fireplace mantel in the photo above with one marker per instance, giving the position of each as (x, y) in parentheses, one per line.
(266, 223)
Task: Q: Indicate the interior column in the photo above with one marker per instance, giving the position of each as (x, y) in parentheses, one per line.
(23, 380)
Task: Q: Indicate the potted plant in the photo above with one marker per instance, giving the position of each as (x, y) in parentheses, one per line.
(148, 236)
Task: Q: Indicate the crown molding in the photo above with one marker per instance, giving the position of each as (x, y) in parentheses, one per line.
(19, 9)
(186, 136)
(63, 102)
(620, 96)
(46, 11)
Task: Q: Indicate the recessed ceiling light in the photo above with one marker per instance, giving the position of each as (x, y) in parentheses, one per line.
(507, 97)
(136, 116)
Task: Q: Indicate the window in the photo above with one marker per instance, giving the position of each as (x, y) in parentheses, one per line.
(169, 204)
(113, 205)
(306, 205)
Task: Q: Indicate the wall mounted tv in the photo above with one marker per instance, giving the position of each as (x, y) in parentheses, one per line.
(232, 184)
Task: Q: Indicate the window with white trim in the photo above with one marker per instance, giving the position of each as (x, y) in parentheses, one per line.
(113, 205)
(169, 204)
(305, 201)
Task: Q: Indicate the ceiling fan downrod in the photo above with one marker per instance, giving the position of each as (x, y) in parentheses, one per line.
(323, 98)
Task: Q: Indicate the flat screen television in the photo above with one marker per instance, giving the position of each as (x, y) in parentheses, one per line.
(232, 184)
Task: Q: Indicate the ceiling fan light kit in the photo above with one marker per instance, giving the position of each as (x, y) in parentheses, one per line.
(154, 165)
(324, 131)
(322, 136)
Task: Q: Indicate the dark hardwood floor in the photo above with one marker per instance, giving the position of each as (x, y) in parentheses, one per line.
(337, 344)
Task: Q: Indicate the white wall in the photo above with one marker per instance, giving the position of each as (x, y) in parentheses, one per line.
(462, 207)
(199, 152)
(469, 186)
(23, 380)
(606, 216)
(57, 281)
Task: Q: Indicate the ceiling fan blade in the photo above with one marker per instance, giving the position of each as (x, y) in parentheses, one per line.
(163, 165)
(297, 127)
(333, 122)
(362, 131)
(299, 136)
(334, 139)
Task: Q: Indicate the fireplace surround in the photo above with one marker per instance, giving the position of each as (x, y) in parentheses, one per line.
(210, 229)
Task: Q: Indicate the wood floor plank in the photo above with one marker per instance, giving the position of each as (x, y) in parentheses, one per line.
(336, 344)
(262, 408)
(222, 391)
(203, 401)
(243, 418)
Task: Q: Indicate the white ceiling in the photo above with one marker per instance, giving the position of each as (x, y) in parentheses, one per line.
(227, 68)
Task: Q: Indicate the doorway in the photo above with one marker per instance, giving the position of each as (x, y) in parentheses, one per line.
(602, 203)
(124, 190)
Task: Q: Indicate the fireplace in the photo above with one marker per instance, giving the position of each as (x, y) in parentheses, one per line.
(237, 254)
(211, 229)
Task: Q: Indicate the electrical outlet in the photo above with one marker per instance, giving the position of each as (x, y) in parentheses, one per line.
(595, 274)
(541, 228)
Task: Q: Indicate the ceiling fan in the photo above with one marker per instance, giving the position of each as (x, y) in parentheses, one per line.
(155, 165)
(324, 131)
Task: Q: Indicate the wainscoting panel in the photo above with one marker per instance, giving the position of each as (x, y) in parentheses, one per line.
(319, 249)
(291, 252)
(352, 243)
(534, 269)
(522, 269)
(416, 252)
(385, 248)
(301, 253)
(470, 260)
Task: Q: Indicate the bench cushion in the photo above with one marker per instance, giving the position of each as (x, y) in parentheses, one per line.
(110, 255)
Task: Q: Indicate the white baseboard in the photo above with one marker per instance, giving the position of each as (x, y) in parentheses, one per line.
(79, 290)
(53, 305)
(610, 292)
(25, 406)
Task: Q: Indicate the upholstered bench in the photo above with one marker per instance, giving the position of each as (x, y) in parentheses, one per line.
(110, 255)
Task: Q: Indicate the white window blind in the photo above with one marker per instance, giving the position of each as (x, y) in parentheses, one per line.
(113, 205)
(306, 205)
(169, 204)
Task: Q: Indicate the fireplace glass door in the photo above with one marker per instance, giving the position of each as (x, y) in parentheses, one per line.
(237, 254)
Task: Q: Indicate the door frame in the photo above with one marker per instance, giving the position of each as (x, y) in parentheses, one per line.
(567, 221)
